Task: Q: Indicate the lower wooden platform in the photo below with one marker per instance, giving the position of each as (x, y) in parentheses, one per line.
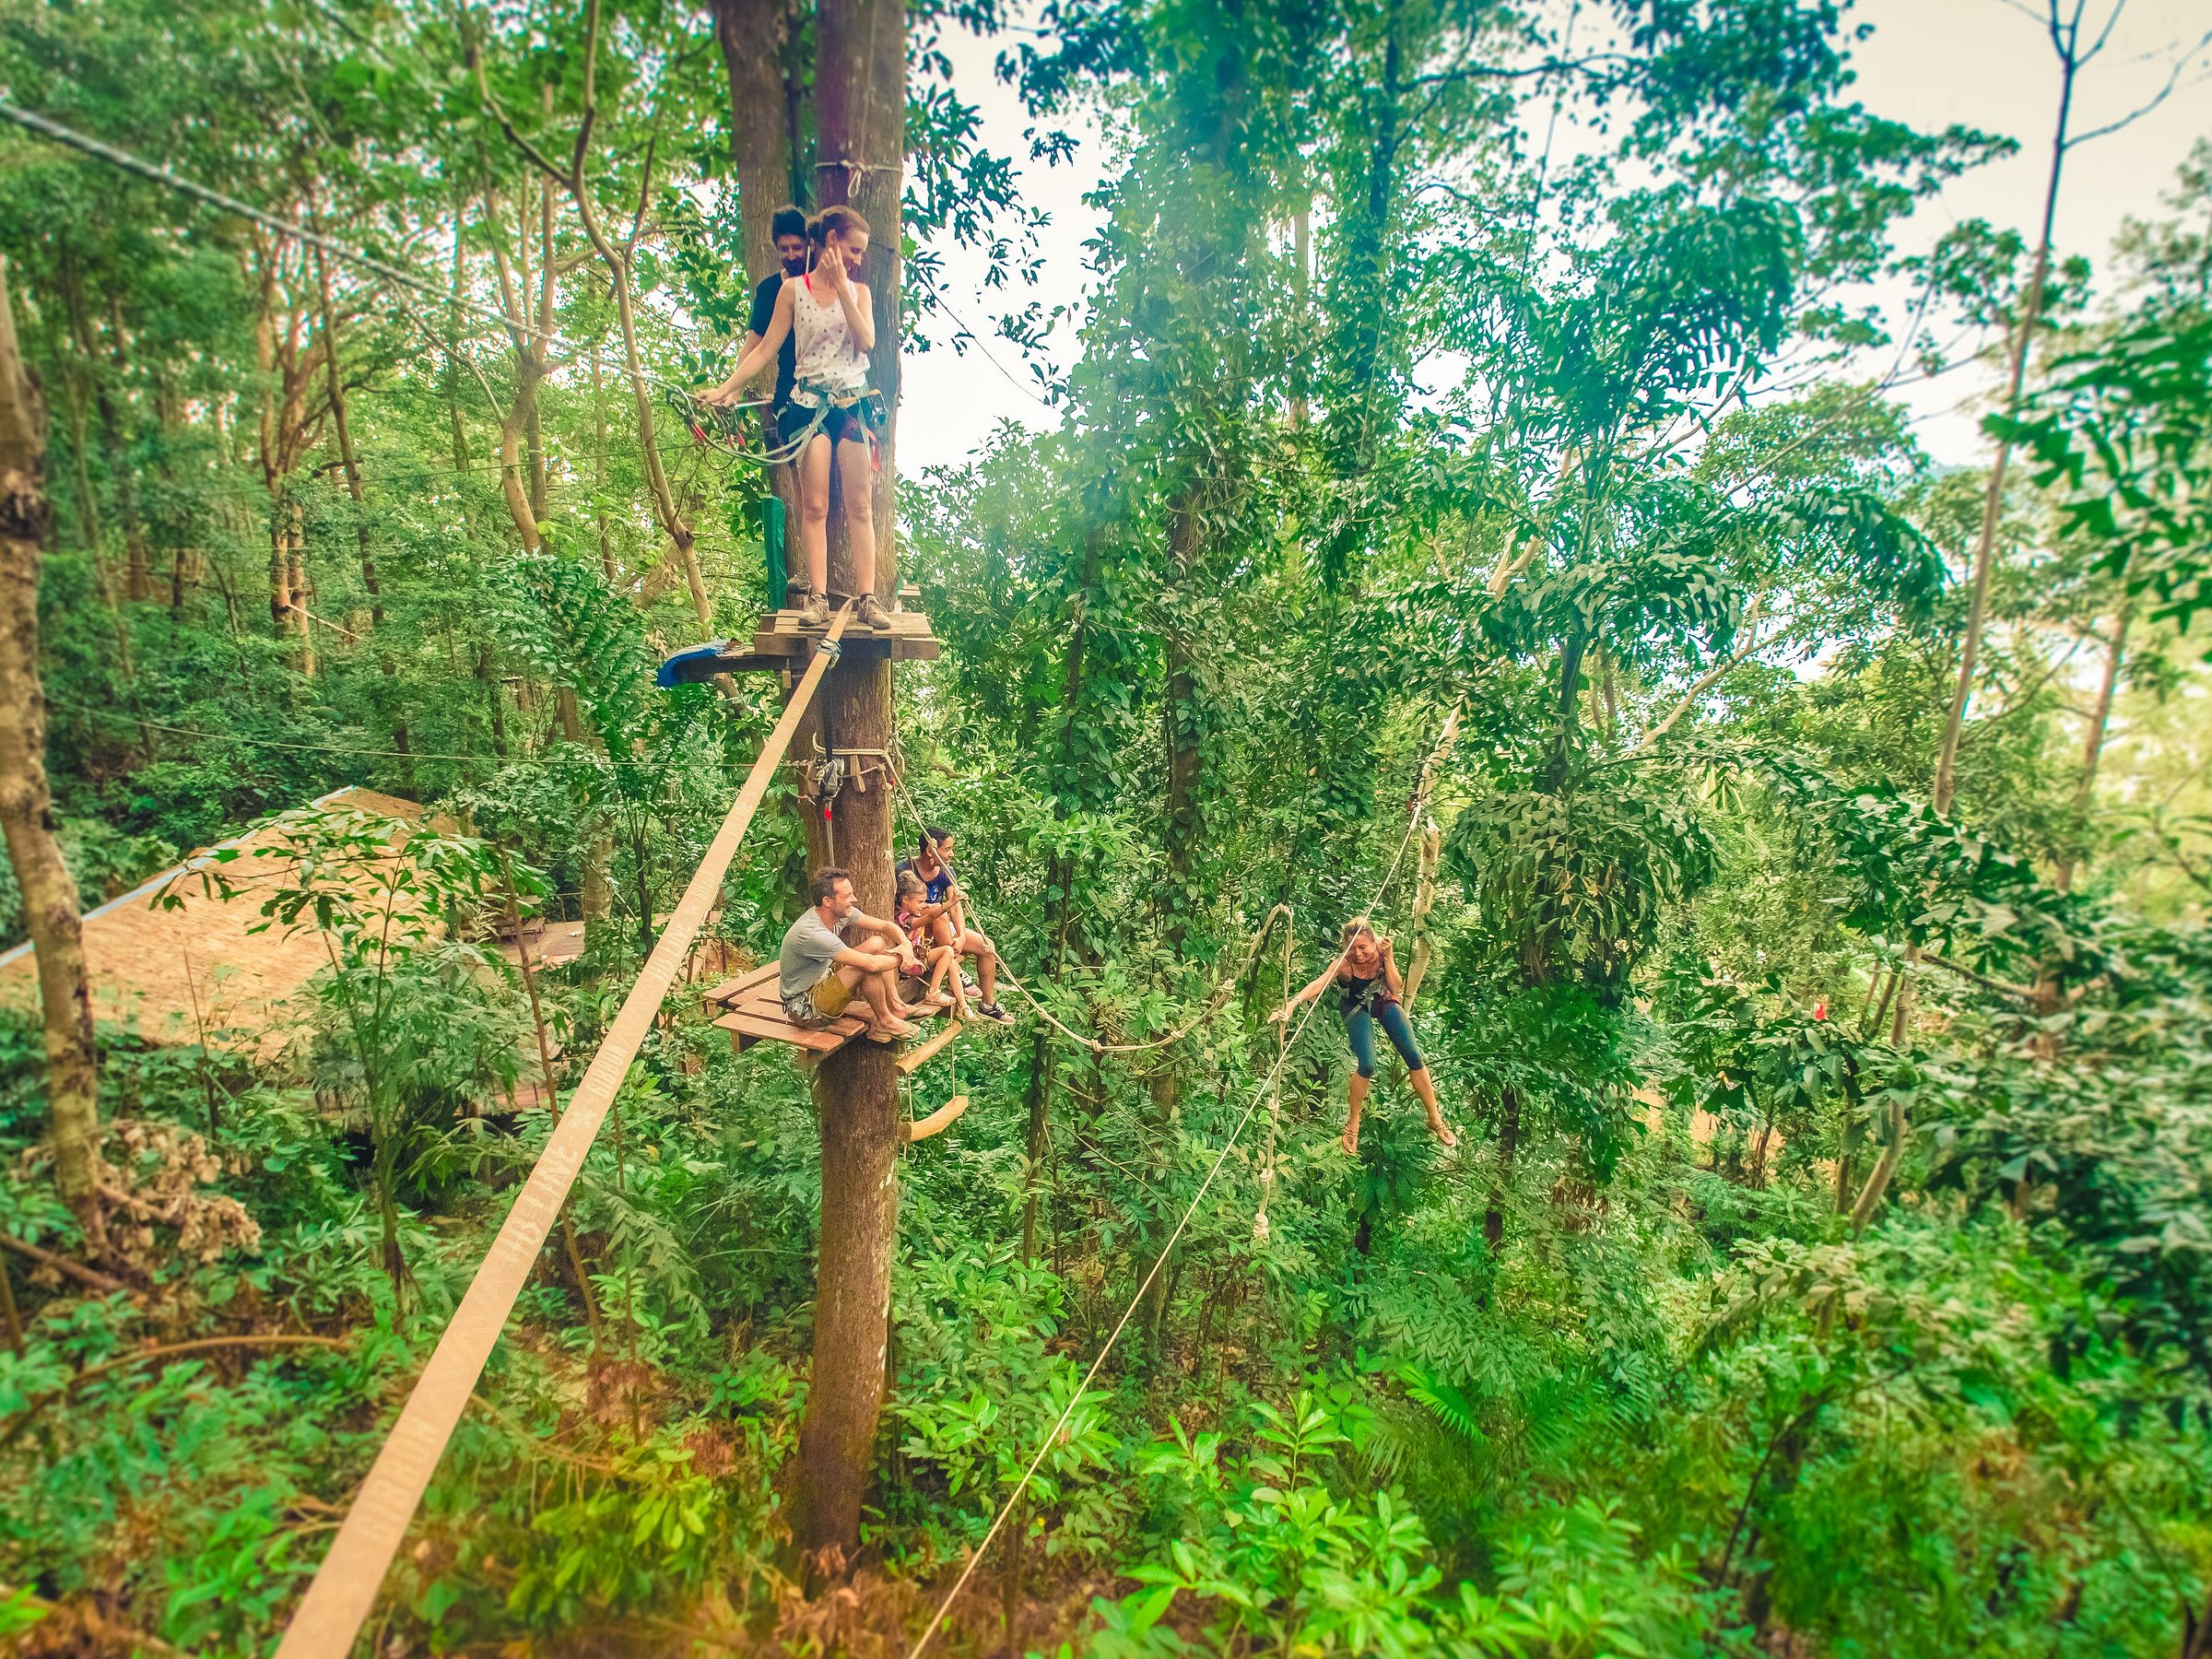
(750, 1010)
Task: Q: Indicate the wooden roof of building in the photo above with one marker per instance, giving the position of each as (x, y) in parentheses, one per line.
(171, 974)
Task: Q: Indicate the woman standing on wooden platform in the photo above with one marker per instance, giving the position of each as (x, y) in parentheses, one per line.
(1369, 988)
(828, 312)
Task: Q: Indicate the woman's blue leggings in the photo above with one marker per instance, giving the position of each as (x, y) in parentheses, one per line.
(1360, 1026)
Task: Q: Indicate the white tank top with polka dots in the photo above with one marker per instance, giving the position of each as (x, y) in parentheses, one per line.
(826, 352)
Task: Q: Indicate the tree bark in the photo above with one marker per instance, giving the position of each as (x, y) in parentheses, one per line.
(526, 331)
(2093, 743)
(1509, 1146)
(49, 904)
(860, 110)
(1424, 902)
(752, 34)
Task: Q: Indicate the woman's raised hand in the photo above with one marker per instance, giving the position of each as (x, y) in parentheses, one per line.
(1280, 1015)
(832, 264)
(716, 397)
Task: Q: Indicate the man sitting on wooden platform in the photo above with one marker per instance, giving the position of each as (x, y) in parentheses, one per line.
(820, 968)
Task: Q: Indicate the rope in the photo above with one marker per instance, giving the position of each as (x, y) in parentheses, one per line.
(1260, 1230)
(1267, 1084)
(154, 172)
(337, 1603)
(1214, 1006)
(339, 748)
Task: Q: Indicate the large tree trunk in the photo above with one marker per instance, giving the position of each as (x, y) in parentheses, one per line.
(752, 33)
(50, 907)
(860, 107)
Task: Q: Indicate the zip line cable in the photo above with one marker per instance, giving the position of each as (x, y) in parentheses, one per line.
(1419, 807)
(157, 173)
(1115, 1337)
(365, 754)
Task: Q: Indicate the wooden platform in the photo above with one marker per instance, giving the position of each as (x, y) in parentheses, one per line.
(781, 645)
(552, 944)
(910, 639)
(748, 1009)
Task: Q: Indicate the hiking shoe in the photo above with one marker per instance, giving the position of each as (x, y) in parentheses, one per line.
(992, 1011)
(868, 614)
(815, 612)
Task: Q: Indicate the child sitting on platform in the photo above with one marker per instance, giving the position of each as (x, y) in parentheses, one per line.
(941, 960)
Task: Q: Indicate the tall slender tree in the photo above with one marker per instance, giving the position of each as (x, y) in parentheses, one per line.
(50, 902)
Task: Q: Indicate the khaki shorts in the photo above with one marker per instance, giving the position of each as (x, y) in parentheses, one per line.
(828, 999)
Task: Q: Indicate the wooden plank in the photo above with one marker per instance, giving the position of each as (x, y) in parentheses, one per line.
(731, 988)
(345, 1588)
(824, 1040)
(937, 1121)
(921, 1052)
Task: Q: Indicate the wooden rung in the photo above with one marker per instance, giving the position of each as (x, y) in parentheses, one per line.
(920, 1055)
(937, 1121)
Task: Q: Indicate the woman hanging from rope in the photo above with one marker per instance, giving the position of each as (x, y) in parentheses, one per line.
(828, 312)
(1366, 975)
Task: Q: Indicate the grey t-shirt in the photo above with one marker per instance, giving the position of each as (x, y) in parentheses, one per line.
(809, 952)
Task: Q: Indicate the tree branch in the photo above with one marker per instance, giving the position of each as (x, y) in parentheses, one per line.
(2001, 987)
(90, 1278)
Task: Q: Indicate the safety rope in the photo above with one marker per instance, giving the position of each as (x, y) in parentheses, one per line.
(338, 1601)
(154, 172)
(1183, 1225)
(1260, 1229)
(1219, 998)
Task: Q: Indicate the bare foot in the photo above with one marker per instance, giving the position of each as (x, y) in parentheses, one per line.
(1349, 1141)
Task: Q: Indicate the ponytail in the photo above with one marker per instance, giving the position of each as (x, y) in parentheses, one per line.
(835, 220)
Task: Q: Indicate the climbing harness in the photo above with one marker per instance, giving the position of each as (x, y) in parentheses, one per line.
(866, 406)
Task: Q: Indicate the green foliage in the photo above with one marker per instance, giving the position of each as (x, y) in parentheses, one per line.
(1824, 1267)
(2125, 427)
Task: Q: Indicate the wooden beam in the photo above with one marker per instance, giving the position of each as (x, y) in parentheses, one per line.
(937, 1121)
(916, 1058)
(731, 988)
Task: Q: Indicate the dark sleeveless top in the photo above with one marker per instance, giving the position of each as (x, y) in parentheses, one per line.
(1371, 993)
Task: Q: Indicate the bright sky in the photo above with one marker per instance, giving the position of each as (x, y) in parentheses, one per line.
(1982, 63)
